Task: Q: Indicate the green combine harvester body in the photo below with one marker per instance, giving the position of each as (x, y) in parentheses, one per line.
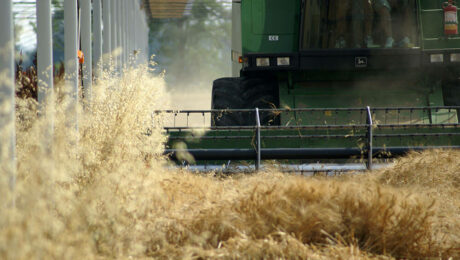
(321, 76)
(334, 79)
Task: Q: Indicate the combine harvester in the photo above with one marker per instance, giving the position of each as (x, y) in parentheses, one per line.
(329, 85)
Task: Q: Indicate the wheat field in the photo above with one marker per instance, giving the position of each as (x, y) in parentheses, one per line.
(110, 195)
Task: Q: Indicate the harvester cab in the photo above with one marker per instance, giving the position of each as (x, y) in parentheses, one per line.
(335, 79)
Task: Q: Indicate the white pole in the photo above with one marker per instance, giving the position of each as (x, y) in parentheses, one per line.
(44, 51)
(146, 38)
(97, 34)
(127, 9)
(139, 33)
(86, 47)
(113, 35)
(136, 25)
(142, 36)
(106, 45)
(119, 35)
(129, 29)
(123, 31)
(132, 21)
(7, 104)
(45, 69)
(71, 62)
(136, 29)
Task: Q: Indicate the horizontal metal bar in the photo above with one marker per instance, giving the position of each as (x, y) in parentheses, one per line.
(216, 128)
(252, 110)
(414, 108)
(392, 126)
(417, 135)
(211, 137)
(296, 153)
(312, 136)
(307, 110)
(312, 127)
(242, 137)
(266, 137)
(300, 127)
(287, 168)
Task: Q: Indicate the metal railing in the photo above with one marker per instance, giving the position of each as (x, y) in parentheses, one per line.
(384, 116)
(371, 124)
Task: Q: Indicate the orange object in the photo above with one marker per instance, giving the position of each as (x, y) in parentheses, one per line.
(81, 57)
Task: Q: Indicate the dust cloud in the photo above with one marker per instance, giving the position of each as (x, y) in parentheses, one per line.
(199, 99)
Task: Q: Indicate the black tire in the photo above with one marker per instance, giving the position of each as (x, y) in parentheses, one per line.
(451, 92)
(244, 93)
(226, 94)
(263, 94)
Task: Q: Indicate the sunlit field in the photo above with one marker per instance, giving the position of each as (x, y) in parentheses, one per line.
(106, 192)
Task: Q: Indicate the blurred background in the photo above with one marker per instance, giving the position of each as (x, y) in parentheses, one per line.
(190, 43)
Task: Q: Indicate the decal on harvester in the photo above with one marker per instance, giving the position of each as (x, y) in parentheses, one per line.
(273, 38)
(361, 62)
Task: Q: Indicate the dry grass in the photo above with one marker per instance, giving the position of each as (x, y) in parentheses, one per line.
(112, 197)
(433, 175)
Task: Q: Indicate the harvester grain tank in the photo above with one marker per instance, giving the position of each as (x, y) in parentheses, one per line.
(335, 79)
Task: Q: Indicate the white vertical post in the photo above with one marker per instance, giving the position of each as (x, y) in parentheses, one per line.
(71, 62)
(142, 36)
(113, 31)
(146, 38)
(97, 34)
(106, 44)
(119, 36)
(45, 69)
(7, 103)
(86, 47)
(123, 31)
(126, 28)
(44, 51)
(135, 28)
(129, 30)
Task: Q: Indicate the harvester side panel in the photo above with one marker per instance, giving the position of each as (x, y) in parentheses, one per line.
(270, 25)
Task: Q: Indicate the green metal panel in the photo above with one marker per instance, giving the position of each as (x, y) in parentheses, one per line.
(430, 4)
(358, 89)
(270, 26)
(273, 21)
(432, 26)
